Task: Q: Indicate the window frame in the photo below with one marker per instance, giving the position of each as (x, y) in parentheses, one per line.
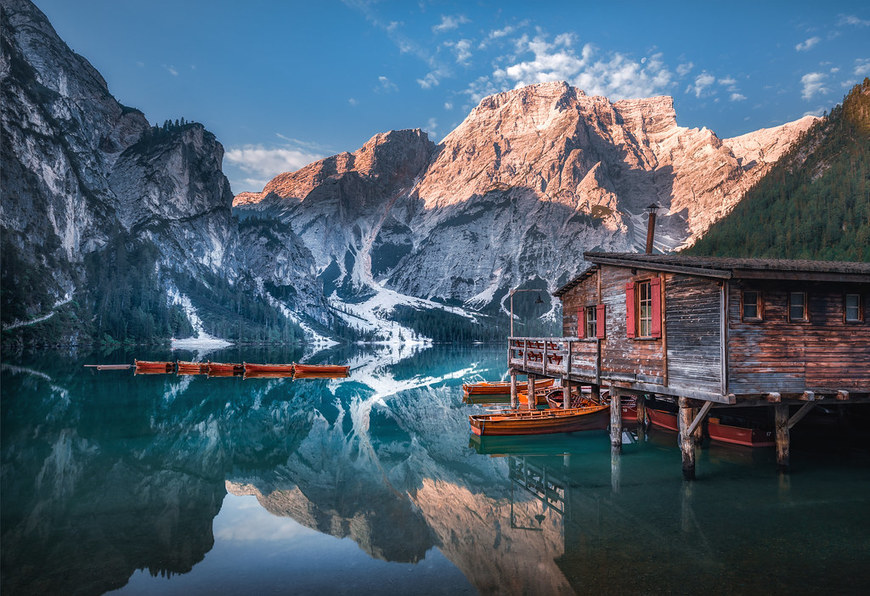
(805, 317)
(591, 320)
(860, 306)
(640, 302)
(759, 307)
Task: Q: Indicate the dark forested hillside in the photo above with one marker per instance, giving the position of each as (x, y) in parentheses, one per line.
(815, 202)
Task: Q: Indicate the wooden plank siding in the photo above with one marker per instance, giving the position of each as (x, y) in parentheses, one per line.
(693, 324)
(823, 354)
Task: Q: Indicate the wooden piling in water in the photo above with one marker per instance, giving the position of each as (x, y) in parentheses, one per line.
(566, 394)
(532, 399)
(515, 401)
(687, 442)
(780, 412)
(615, 421)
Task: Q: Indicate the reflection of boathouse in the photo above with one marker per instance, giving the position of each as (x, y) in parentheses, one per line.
(711, 332)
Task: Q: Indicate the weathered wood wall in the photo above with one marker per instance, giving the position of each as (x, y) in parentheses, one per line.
(693, 329)
(775, 355)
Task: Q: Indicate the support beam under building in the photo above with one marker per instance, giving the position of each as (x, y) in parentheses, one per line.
(780, 413)
(615, 421)
(687, 442)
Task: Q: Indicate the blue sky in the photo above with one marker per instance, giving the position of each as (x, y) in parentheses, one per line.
(284, 83)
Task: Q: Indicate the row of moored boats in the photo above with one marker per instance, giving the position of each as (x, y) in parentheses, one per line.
(246, 369)
(549, 416)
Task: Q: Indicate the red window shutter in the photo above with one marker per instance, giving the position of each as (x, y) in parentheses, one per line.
(599, 321)
(581, 322)
(655, 287)
(629, 309)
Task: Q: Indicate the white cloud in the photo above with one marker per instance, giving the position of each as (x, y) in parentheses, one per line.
(862, 67)
(431, 127)
(853, 20)
(385, 85)
(266, 163)
(449, 22)
(737, 97)
(171, 69)
(730, 82)
(813, 84)
(817, 112)
(614, 75)
(448, 105)
(808, 44)
(429, 81)
(702, 82)
(463, 51)
(684, 69)
(352, 101)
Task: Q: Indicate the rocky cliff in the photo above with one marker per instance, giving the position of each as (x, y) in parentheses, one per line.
(531, 179)
(128, 224)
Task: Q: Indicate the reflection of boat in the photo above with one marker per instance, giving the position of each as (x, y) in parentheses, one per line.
(153, 367)
(267, 368)
(192, 368)
(224, 369)
(537, 422)
(320, 375)
(661, 418)
(322, 368)
(266, 375)
(739, 435)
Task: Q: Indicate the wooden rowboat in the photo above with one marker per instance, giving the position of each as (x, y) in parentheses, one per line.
(153, 367)
(192, 368)
(320, 375)
(540, 422)
(321, 368)
(662, 419)
(220, 369)
(738, 435)
(267, 368)
(499, 387)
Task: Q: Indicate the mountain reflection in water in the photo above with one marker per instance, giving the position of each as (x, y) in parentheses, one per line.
(105, 474)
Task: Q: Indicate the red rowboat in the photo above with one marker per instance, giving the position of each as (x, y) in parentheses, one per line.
(267, 368)
(153, 367)
(738, 435)
(540, 422)
(219, 369)
(192, 368)
(662, 419)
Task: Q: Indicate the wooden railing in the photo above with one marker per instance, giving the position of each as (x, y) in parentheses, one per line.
(556, 356)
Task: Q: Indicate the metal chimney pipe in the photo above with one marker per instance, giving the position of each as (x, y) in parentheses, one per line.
(651, 227)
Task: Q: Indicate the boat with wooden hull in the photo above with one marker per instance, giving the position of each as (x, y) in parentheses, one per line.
(321, 368)
(500, 387)
(267, 368)
(540, 422)
(192, 368)
(738, 435)
(153, 367)
(225, 369)
(662, 419)
(266, 375)
(320, 375)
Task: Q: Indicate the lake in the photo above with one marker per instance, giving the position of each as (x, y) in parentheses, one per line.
(146, 484)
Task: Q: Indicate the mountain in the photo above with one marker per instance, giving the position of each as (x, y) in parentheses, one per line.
(530, 180)
(815, 202)
(113, 229)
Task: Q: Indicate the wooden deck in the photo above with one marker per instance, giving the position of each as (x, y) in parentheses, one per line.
(564, 357)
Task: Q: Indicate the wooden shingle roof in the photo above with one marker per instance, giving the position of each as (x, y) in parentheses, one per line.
(729, 267)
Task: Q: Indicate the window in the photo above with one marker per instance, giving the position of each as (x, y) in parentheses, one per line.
(644, 309)
(853, 308)
(751, 308)
(643, 305)
(591, 322)
(797, 306)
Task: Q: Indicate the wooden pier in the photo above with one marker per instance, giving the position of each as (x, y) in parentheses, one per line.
(709, 334)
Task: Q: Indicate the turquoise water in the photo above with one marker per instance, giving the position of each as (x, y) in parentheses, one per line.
(374, 485)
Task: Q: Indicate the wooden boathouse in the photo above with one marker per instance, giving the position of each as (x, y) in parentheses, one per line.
(707, 332)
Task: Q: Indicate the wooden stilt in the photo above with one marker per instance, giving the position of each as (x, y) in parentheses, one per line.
(531, 393)
(566, 394)
(615, 421)
(641, 412)
(596, 394)
(615, 469)
(782, 436)
(687, 443)
(515, 402)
